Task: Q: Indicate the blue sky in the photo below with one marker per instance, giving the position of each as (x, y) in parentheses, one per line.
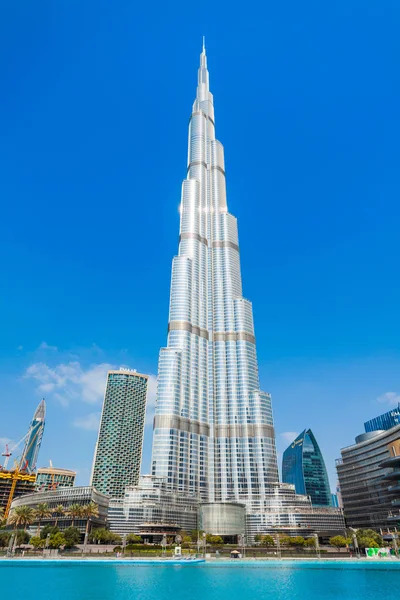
(95, 99)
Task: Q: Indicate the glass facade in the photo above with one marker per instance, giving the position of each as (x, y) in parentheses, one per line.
(213, 426)
(304, 467)
(118, 453)
(222, 518)
(34, 439)
(385, 421)
(151, 509)
(282, 510)
(369, 477)
(50, 478)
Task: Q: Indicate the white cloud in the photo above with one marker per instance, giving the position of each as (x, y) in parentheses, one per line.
(90, 422)
(68, 382)
(289, 436)
(46, 346)
(151, 398)
(20, 348)
(391, 398)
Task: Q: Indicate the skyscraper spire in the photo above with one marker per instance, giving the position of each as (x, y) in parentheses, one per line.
(213, 426)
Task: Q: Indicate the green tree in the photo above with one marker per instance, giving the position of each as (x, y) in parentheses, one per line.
(37, 542)
(22, 537)
(258, 538)
(338, 541)
(131, 538)
(187, 539)
(59, 511)
(216, 540)
(285, 540)
(48, 529)
(57, 540)
(5, 538)
(89, 511)
(103, 536)
(72, 536)
(21, 516)
(368, 538)
(267, 541)
(196, 534)
(42, 511)
(309, 542)
(74, 511)
(297, 541)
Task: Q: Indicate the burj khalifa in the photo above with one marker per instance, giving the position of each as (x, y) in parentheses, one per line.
(213, 426)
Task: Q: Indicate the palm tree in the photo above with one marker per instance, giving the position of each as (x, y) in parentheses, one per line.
(89, 511)
(42, 512)
(59, 511)
(74, 511)
(21, 516)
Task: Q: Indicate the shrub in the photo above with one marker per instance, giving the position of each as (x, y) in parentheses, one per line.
(131, 538)
(338, 541)
(37, 542)
(48, 529)
(72, 536)
(57, 540)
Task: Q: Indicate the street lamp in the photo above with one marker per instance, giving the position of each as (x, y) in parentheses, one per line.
(204, 544)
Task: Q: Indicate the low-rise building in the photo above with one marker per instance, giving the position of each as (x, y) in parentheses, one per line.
(152, 510)
(282, 510)
(66, 497)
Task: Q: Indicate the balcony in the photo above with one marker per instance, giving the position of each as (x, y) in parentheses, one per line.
(393, 462)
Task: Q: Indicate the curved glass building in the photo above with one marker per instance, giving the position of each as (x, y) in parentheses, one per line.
(34, 439)
(213, 426)
(304, 467)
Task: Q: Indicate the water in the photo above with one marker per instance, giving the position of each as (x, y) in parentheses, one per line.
(243, 581)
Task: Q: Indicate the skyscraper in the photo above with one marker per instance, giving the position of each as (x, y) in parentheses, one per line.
(34, 439)
(213, 426)
(303, 466)
(118, 451)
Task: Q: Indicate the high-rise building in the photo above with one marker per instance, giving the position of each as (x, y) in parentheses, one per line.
(33, 440)
(213, 426)
(304, 467)
(383, 422)
(369, 477)
(118, 451)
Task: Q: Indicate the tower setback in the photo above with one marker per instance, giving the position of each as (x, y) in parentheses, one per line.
(213, 426)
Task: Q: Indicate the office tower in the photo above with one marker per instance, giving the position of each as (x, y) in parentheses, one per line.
(33, 440)
(213, 426)
(304, 467)
(386, 421)
(118, 451)
(369, 478)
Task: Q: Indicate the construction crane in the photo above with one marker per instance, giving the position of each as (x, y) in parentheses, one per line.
(19, 473)
(8, 452)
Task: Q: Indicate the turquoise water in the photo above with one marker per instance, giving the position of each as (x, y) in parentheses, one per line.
(244, 581)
